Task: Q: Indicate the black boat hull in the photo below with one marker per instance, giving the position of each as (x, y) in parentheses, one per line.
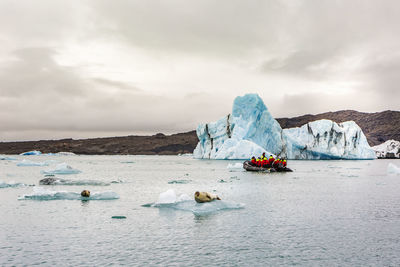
(251, 168)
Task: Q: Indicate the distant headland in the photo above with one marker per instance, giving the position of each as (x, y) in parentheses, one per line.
(378, 127)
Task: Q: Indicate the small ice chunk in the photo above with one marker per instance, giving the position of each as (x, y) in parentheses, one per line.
(167, 197)
(25, 163)
(30, 153)
(393, 169)
(62, 168)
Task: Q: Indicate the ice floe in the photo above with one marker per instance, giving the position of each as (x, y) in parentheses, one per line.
(12, 184)
(26, 162)
(40, 193)
(7, 158)
(58, 181)
(393, 169)
(169, 200)
(62, 169)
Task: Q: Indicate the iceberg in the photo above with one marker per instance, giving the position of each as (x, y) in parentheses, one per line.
(325, 139)
(390, 149)
(30, 153)
(251, 130)
(62, 168)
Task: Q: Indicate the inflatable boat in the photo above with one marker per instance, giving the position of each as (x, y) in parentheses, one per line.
(251, 168)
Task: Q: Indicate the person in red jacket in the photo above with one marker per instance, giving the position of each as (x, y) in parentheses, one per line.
(284, 163)
(253, 161)
(271, 160)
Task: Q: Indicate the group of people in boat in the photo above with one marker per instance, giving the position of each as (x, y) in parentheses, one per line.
(270, 162)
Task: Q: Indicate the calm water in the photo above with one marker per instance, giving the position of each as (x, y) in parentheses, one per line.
(343, 213)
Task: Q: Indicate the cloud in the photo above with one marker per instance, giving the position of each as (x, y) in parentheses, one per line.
(98, 67)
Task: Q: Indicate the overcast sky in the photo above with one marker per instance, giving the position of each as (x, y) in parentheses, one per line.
(107, 68)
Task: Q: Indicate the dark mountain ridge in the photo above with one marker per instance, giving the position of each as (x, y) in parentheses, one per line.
(378, 128)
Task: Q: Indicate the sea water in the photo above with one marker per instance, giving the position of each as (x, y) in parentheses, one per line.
(325, 213)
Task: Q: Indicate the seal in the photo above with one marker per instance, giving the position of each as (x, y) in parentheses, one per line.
(48, 181)
(202, 197)
(85, 193)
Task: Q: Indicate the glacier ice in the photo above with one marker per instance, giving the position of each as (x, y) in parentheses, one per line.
(251, 130)
(325, 139)
(389, 149)
(62, 168)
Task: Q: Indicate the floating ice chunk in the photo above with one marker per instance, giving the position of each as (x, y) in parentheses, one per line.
(7, 158)
(26, 162)
(169, 200)
(40, 193)
(183, 197)
(393, 169)
(12, 184)
(179, 181)
(62, 153)
(62, 168)
(30, 153)
(58, 181)
(167, 197)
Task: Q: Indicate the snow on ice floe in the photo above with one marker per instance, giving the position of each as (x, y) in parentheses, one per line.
(26, 162)
(251, 130)
(169, 200)
(62, 169)
(389, 149)
(393, 169)
(12, 184)
(31, 153)
(40, 193)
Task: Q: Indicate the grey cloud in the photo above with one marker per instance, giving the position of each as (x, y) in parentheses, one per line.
(34, 73)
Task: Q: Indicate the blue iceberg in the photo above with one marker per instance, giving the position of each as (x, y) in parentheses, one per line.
(251, 130)
(31, 153)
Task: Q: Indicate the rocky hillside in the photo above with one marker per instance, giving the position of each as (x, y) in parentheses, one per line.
(378, 127)
(135, 145)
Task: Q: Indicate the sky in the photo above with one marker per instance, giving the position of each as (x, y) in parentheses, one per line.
(80, 69)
